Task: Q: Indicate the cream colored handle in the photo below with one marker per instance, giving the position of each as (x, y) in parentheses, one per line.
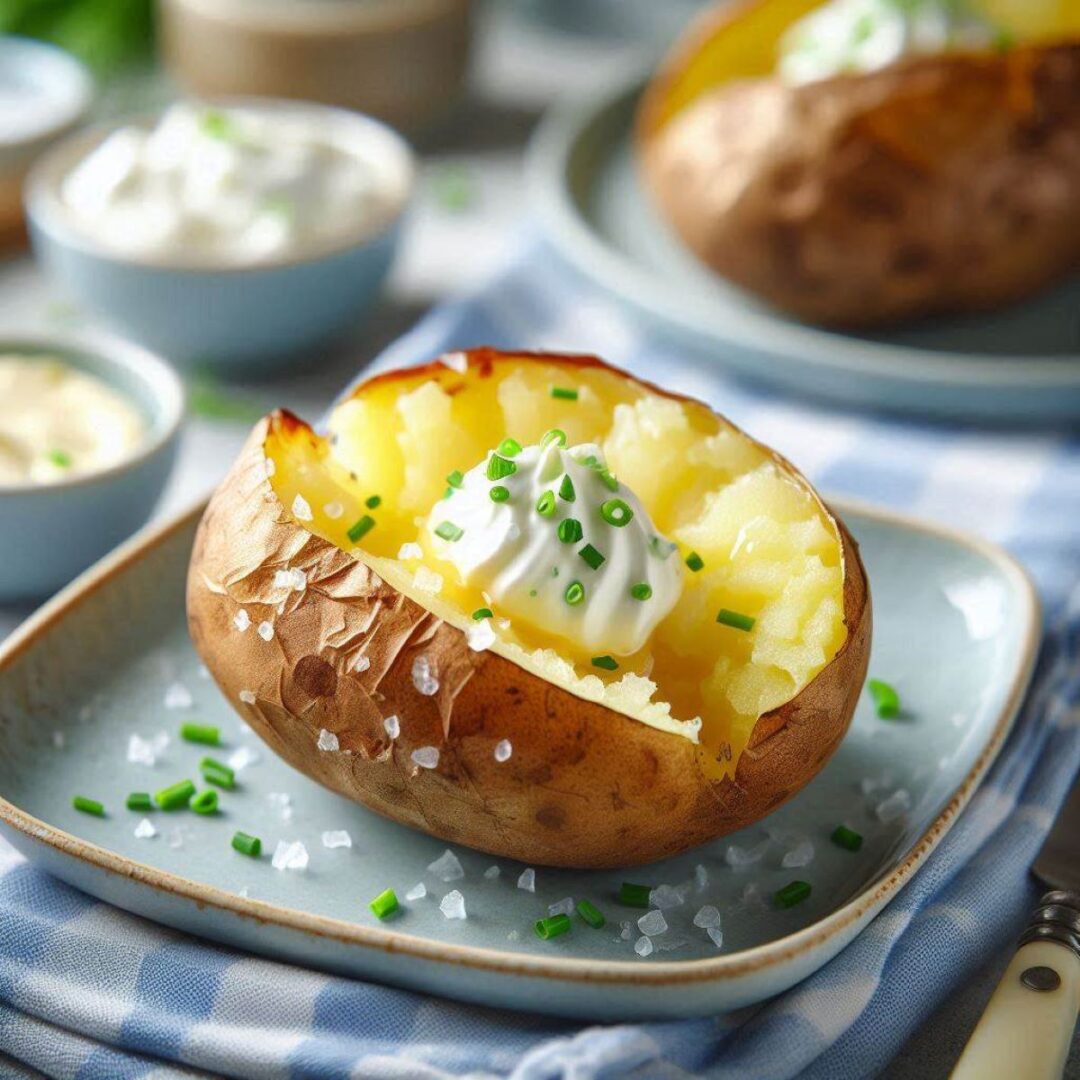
(1025, 1033)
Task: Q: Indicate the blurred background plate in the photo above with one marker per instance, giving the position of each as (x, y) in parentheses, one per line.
(1021, 364)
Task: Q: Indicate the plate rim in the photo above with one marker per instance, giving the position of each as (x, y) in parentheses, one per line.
(831, 352)
(723, 968)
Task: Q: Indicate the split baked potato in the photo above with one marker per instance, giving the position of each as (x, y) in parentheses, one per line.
(910, 181)
(327, 612)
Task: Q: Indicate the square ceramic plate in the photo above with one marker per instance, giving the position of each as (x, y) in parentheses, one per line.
(957, 630)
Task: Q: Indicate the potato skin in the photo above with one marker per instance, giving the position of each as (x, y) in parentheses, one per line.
(585, 786)
(939, 184)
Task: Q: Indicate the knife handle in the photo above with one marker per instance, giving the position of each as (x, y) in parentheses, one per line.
(1027, 1027)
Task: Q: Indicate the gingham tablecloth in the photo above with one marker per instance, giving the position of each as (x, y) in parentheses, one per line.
(87, 991)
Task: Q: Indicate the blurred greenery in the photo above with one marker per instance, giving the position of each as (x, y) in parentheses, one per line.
(109, 35)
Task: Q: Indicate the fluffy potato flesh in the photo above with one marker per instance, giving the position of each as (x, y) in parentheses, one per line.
(769, 548)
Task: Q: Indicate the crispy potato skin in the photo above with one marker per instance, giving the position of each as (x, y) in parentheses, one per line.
(585, 787)
(940, 184)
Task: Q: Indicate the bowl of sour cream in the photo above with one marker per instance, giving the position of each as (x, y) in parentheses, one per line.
(229, 234)
(88, 437)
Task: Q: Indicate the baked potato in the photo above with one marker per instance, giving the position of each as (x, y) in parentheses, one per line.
(863, 188)
(333, 616)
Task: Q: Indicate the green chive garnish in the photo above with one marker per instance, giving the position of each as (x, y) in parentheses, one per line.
(609, 480)
(575, 593)
(694, 561)
(662, 549)
(372, 502)
(60, 458)
(217, 125)
(545, 505)
(616, 512)
(591, 914)
(735, 620)
(499, 493)
(217, 773)
(176, 796)
(361, 528)
(592, 556)
(793, 893)
(448, 493)
(449, 531)
(206, 734)
(247, 845)
(555, 435)
(205, 802)
(482, 613)
(499, 467)
(139, 800)
(88, 806)
(564, 393)
(608, 663)
(634, 895)
(641, 591)
(886, 699)
(509, 447)
(456, 478)
(385, 904)
(566, 489)
(846, 838)
(552, 926)
(570, 531)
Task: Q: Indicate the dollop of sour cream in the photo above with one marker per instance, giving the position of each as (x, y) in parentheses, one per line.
(557, 542)
(845, 36)
(57, 422)
(235, 186)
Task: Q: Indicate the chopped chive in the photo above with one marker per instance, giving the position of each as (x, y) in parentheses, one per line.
(564, 393)
(545, 505)
(509, 447)
(591, 914)
(139, 800)
(552, 926)
(846, 838)
(641, 591)
(448, 492)
(566, 489)
(735, 620)
(217, 773)
(499, 493)
(176, 796)
(499, 467)
(88, 806)
(205, 802)
(592, 556)
(385, 904)
(575, 593)
(206, 734)
(449, 531)
(609, 480)
(217, 125)
(247, 845)
(361, 528)
(616, 512)
(795, 892)
(695, 561)
(570, 531)
(662, 549)
(634, 895)
(60, 458)
(590, 460)
(555, 435)
(608, 663)
(372, 502)
(456, 478)
(482, 613)
(886, 699)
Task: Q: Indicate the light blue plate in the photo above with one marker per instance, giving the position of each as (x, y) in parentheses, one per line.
(95, 665)
(1021, 364)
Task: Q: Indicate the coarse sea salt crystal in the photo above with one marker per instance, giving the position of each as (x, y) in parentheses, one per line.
(565, 906)
(802, 854)
(701, 876)
(301, 510)
(428, 580)
(178, 696)
(247, 697)
(335, 838)
(527, 880)
(327, 740)
(707, 916)
(894, 807)
(417, 892)
(480, 636)
(242, 757)
(643, 946)
(652, 923)
(290, 855)
(177, 835)
(716, 935)
(269, 468)
(423, 677)
(668, 896)
(142, 751)
(492, 872)
(297, 579)
(392, 726)
(241, 620)
(447, 867)
(455, 361)
(282, 803)
(245, 892)
(145, 830)
(627, 930)
(503, 750)
(282, 579)
(410, 551)
(738, 857)
(427, 757)
(362, 663)
(513, 935)
(266, 630)
(751, 895)
(333, 510)
(452, 905)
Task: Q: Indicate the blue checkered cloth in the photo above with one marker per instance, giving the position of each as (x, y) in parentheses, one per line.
(88, 991)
